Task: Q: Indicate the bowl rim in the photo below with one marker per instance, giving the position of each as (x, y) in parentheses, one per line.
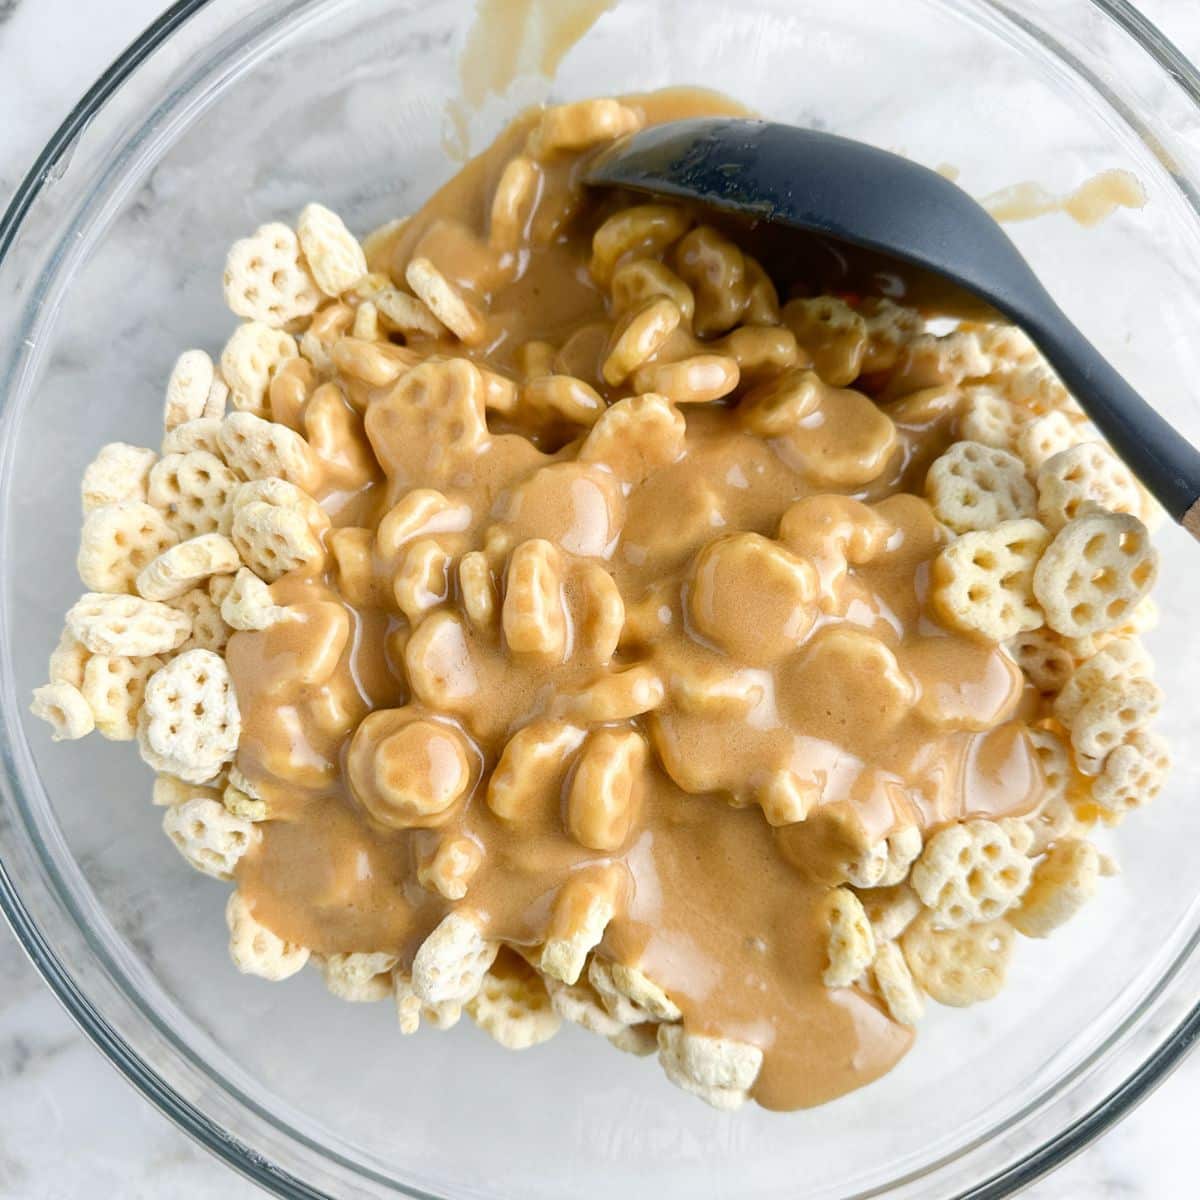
(1074, 1138)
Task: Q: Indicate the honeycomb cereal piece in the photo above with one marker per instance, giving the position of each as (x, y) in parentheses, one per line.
(1045, 437)
(569, 128)
(958, 967)
(334, 257)
(68, 660)
(778, 406)
(1063, 882)
(189, 722)
(113, 687)
(720, 1071)
(117, 541)
(642, 231)
(187, 564)
(715, 269)
(580, 1004)
(534, 615)
(366, 327)
(983, 582)
(202, 434)
(932, 359)
(211, 839)
(280, 494)
(700, 379)
(971, 872)
(851, 945)
(168, 790)
(890, 326)
(1115, 709)
(255, 950)
(512, 203)
(193, 491)
(423, 512)
(975, 487)
(563, 396)
(243, 805)
(187, 388)
(328, 325)
(126, 625)
(582, 909)
(530, 766)
(832, 334)
(360, 978)
(760, 349)
(629, 994)
(1046, 662)
(453, 865)
(987, 419)
(63, 708)
(1005, 347)
(890, 910)
(265, 279)
(641, 279)
(895, 983)
(1084, 476)
(513, 1007)
(249, 362)
(1122, 658)
(215, 402)
(635, 436)
(1054, 817)
(615, 696)
(1133, 774)
(605, 793)
(637, 336)
(209, 630)
(445, 302)
(638, 1040)
(273, 541)
(248, 604)
(762, 299)
(451, 962)
(477, 591)
(402, 313)
(410, 1009)
(602, 616)
(422, 580)
(885, 862)
(1095, 572)
(259, 449)
(119, 472)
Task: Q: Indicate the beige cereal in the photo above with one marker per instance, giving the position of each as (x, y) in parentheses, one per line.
(1133, 774)
(360, 978)
(580, 1004)
(719, 1071)
(265, 279)
(513, 1007)
(896, 985)
(126, 625)
(636, 436)
(701, 379)
(248, 604)
(452, 961)
(68, 660)
(1054, 817)
(958, 967)
(444, 301)
(193, 491)
(851, 943)
(113, 687)
(255, 950)
(1044, 437)
(1081, 477)
(629, 995)
(209, 630)
(117, 541)
(585, 904)
(187, 388)
(569, 128)
(249, 362)
(715, 269)
(273, 541)
(184, 566)
(259, 449)
(1047, 663)
(215, 402)
(63, 708)
(453, 865)
(119, 472)
(974, 487)
(642, 231)
(605, 792)
(972, 872)
(1123, 658)
(210, 838)
(534, 614)
(201, 434)
(1063, 882)
(638, 335)
(169, 790)
(986, 418)
(1112, 711)
(641, 279)
(534, 757)
(333, 254)
(890, 910)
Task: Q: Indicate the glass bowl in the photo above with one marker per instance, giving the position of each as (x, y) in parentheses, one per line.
(225, 115)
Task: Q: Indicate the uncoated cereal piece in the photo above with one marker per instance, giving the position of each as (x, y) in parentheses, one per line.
(1044, 437)
(896, 985)
(569, 128)
(1083, 476)
(68, 660)
(332, 252)
(187, 388)
(1113, 711)
(987, 418)
(890, 910)
(640, 231)
(202, 434)
(720, 1071)
(119, 472)
(1095, 572)
(273, 541)
(126, 625)
(581, 1005)
(451, 962)
(243, 805)
(182, 567)
(62, 706)
(325, 331)
(513, 1007)
(851, 943)
(113, 687)
(630, 995)
(973, 486)
(255, 950)
(359, 977)
(1122, 658)
(890, 327)
(216, 400)
(249, 604)
(1063, 882)
(958, 967)
(209, 630)
(117, 541)
(259, 449)
(638, 1040)
(983, 582)
(210, 838)
(585, 904)
(265, 279)
(1047, 663)
(972, 872)
(445, 302)
(190, 723)
(1133, 774)
(193, 490)
(1006, 346)
(249, 362)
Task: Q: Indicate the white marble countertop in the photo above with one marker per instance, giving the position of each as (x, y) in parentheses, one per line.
(69, 1125)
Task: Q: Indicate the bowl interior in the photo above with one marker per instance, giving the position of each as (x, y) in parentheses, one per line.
(345, 103)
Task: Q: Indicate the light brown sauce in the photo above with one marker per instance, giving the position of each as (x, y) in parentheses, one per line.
(882, 717)
(1093, 201)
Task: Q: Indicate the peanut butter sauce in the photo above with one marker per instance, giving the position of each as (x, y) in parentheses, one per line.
(797, 698)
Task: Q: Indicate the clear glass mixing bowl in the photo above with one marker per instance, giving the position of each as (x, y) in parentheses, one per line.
(220, 118)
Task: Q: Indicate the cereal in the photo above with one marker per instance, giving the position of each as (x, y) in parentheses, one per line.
(585, 904)
(1047, 663)
(477, 589)
(334, 257)
(452, 961)
(209, 630)
(513, 1007)
(629, 995)
(643, 231)
(1123, 658)
(605, 790)
(215, 402)
(512, 203)
(1054, 818)
(1085, 476)
(201, 434)
(890, 326)
(700, 379)
(639, 335)
(248, 604)
(358, 977)
(887, 861)
(113, 687)
(851, 944)
(833, 334)
(450, 871)
(249, 362)
(641, 279)
(126, 625)
(117, 541)
(987, 418)
(760, 349)
(564, 395)
(422, 580)
(259, 449)
(447, 304)
(255, 950)
(1045, 437)
(896, 985)
(715, 269)
(635, 436)
(571, 127)
(974, 487)
(983, 582)
(1094, 573)
(62, 706)
(958, 967)
(580, 1004)
(119, 472)
(243, 805)
(890, 910)
(1063, 882)
(720, 1071)
(274, 541)
(183, 566)
(211, 839)
(1133, 774)
(68, 660)
(533, 757)
(189, 722)
(187, 388)
(193, 491)
(168, 790)
(265, 279)
(972, 872)
(1112, 711)
(534, 616)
